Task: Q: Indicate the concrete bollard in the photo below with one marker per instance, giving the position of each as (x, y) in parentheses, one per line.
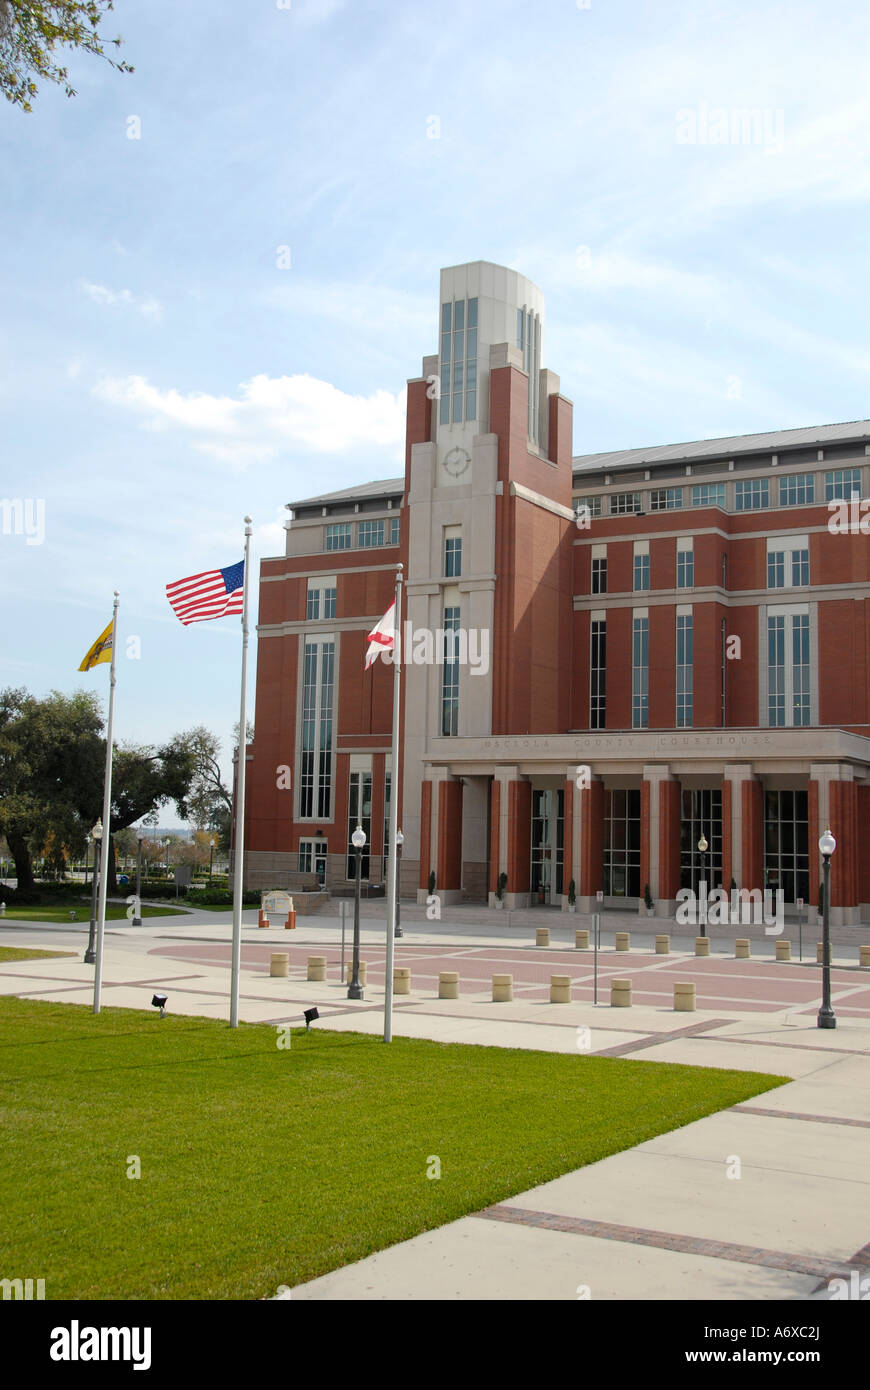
(820, 948)
(623, 941)
(783, 950)
(542, 936)
(684, 996)
(663, 945)
(362, 972)
(279, 964)
(581, 940)
(317, 967)
(702, 945)
(560, 989)
(620, 994)
(864, 956)
(502, 989)
(741, 948)
(290, 923)
(448, 984)
(401, 980)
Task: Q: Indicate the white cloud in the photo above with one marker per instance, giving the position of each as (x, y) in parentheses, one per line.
(268, 414)
(149, 308)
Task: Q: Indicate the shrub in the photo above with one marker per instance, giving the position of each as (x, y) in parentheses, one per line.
(572, 892)
(647, 897)
(432, 882)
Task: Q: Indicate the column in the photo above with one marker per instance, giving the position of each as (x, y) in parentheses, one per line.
(591, 844)
(519, 839)
(835, 794)
(448, 872)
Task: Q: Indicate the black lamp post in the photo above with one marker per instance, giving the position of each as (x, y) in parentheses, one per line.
(400, 840)
(354, 989)
(137, 920)
(827, 1017)
(97, 837)
(702, 846)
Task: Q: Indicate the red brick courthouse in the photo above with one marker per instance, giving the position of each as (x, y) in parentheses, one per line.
(679, 620)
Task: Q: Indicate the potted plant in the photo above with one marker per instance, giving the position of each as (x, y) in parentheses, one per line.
(498, 899)
(572, 896)
(648, 900)
(431, 883)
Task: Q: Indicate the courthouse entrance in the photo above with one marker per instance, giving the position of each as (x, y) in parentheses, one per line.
(548, 846)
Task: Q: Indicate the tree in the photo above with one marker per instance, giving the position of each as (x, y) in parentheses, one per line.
(30, 30)
(209, 804)
(143, 779)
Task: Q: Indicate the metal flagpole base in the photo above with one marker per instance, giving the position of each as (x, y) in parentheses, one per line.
(827, 1019)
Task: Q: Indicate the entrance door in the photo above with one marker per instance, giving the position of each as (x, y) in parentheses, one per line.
(547, 847)
(312, 859)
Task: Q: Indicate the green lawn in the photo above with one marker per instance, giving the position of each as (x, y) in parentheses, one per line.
(51, 912)
(262, 1166)
(26, 953)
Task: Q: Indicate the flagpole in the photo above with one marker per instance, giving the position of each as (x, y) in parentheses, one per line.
(239, 806)
(107, 816)
(392, 884)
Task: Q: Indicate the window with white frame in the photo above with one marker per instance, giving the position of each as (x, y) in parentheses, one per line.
(359, 812)
(685, 562)
(598, 671)
(797, 489)
(788, 667)
(624, 503)
(591, 504)
(599, 569)
(751, 494)
(708, 495)
(338, 536)
(450, 673)
(665, 499)
(640, 669)
(788, 562)
(316, 753)
(641, 566)
(842, 484)
(452, 552)
(320, 601)
(684, 668)
(370, 533)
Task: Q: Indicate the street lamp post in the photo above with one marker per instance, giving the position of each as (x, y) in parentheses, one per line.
(96, 836)
(827, 1017)
(400, 840)
(354, 989)
(212, 843)
(702, 846)
(137, 920)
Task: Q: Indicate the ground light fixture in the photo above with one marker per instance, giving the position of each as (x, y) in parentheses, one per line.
(826, 1017)
(159, 1002)
(310, 1015)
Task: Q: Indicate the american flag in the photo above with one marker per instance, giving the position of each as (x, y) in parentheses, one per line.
(212, 594)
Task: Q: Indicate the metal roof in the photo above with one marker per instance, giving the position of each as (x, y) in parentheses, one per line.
(728, 447)
(388, 487)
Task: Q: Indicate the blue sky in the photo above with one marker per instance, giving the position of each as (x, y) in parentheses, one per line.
(162, 373)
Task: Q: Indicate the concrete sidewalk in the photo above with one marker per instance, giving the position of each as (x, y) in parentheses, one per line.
(767, 1200)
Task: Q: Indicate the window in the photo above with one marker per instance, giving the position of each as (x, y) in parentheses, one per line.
(685, 564)
(708, 495)
(684, 670)
(338, 536)
(640, 673)
(786, 844)
(452, 552)
(529, 342)
(370, 533)
(788, 562)
(320, 599)
(450, 675)
(621, 857)
(841, 484)
(788, 669)
(797, 489)
(598, 674)
(599, 569)
(751, 494)
(701, 816)
(359, 812)
(393, 531)
(547, 857)
(592, 505)
(624, 503)
(641, 566)
(665, 499)
(458, 361)
(316, 754)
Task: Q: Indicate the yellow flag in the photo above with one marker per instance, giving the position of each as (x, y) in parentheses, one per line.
(100, 651)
